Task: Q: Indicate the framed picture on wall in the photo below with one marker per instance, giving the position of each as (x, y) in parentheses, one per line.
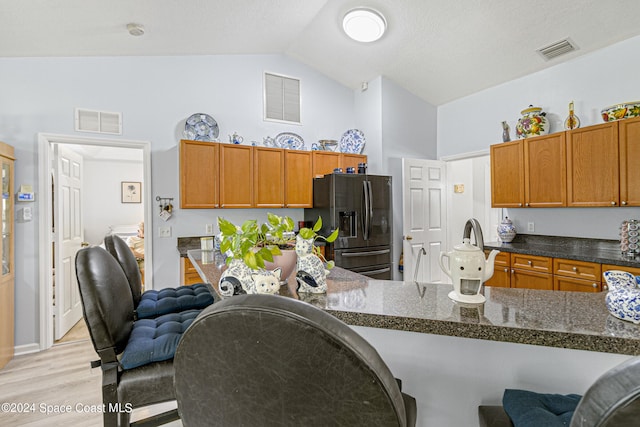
(131, 192)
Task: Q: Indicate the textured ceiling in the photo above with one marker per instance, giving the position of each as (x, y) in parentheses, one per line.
(439, 50)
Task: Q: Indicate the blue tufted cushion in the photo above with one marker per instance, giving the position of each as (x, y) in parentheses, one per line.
(530, 409)
(154, 340)
(172, 300)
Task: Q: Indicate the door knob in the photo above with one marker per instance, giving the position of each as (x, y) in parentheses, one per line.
(408, 238)
(84, 244)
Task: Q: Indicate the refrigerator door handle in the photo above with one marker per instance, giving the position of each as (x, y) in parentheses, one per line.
(365, 210)
(367, 253)
(370, 209)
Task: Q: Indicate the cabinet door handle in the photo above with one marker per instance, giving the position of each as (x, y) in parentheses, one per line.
(526, 204)
(605, 288)
(575, 269)
(512, 271)
(624, 203)
(595, 285)
(613, 203)
(529, 262)
(506, 270)
(519, 204)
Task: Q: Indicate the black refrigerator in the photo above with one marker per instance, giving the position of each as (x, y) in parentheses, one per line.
(360, 207)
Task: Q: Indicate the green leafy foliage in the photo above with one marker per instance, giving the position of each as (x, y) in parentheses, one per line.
(240, 243)
(312, 233)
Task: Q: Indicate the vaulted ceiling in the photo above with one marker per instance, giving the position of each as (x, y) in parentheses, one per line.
(438, 50)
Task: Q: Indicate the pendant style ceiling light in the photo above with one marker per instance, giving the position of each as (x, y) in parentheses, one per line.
(364, 24)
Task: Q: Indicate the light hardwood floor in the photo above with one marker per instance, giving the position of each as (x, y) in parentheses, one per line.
(52, 379)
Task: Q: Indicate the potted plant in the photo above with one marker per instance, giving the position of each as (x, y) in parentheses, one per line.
(278, 233)
(240, 243)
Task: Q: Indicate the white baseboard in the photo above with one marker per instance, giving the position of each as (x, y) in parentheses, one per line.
(19, 350)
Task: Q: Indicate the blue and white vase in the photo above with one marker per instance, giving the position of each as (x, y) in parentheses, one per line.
(506, 230)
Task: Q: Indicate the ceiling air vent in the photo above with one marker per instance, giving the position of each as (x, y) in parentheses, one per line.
(556, 49)
(98, 121)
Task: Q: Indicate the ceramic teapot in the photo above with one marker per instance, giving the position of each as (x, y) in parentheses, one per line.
(468, 269)
(235, 138)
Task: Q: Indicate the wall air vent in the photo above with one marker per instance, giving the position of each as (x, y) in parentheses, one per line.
(98, 121)
(556, 49)
(281, 98)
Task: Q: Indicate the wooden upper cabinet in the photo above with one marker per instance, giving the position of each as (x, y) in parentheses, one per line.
(324, 162)
(352, 160)
(629, 138)
(298, 179)
(236, 176)
(545, 177)
(592, 166)
(507, 175)
(198, 174)
(268, 179)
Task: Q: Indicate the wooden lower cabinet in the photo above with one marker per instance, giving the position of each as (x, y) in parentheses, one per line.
(189, 273)
(572, 275)
(526, 279)
(561, 283)
(501, 271)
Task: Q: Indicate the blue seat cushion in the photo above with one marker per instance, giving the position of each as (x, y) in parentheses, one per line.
(155, 303)
(154, 340)
(530, 409)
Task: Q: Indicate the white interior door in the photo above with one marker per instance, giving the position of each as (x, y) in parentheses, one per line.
(424, 218)
(68, 237)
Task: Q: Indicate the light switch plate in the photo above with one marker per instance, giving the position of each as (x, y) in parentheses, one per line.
(164, 231)
(208, 228)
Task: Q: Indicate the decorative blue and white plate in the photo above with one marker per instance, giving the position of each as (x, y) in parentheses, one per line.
(290, 141)
(352, 141)
(201, 127)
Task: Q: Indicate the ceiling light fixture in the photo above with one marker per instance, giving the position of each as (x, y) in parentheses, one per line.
(135, 29)
(364, 24)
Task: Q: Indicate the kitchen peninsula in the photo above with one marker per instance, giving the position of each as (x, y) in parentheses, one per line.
(454, 357)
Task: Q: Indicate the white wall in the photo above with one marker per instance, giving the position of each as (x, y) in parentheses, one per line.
(593, 82)
(102, 206)
(155, 95)
(398, 124)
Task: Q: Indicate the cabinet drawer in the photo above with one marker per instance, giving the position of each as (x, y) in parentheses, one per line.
(502, 259)
(578, 285)
(540, 264)
(577, 269)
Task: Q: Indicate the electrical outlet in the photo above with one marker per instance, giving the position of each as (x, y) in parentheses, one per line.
(530, 226)
(164, 231)
(208, 228)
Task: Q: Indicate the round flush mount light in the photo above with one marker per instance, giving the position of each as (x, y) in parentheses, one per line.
(364, 24)
(135, 29)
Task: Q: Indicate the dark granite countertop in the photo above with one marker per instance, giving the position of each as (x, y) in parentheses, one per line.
(580, 249)
(574, 320)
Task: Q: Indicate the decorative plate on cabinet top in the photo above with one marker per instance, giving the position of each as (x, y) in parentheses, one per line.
(290, 141)
(352, 141)
(201, 127)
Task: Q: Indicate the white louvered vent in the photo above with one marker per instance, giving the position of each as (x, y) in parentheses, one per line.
(556, 49)
(281, 98)
(98, 121)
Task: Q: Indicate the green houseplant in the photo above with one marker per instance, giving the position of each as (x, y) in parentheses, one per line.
(312, 234)
(241, 243)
